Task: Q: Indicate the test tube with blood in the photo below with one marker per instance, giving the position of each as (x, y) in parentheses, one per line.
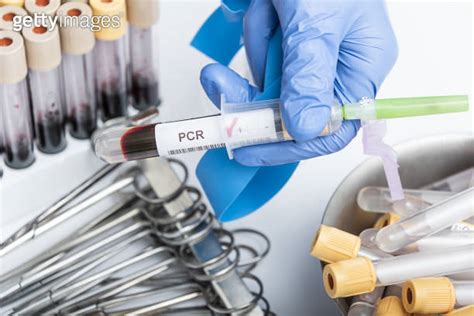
(77, 44)
(43, 51)
(142, 16)
(15, 120)
(110, 59)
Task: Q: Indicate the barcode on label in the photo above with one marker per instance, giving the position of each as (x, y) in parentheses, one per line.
(193, 149)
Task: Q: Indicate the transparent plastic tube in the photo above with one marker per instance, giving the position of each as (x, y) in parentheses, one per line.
(427, 222)
(364, 304)
(144, 90)
(442, 240)
(16, 124)
(464, 292)
(236, 127)
(360, 275)
(48, 110)
(398, 269)
(111, 78)
(377, 199)
(455, 183)
(80, 94)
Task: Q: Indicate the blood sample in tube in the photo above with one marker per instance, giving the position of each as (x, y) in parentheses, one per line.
(143, 15)
(110, 60)
(44, 57)
(78, 72)
(15, 120)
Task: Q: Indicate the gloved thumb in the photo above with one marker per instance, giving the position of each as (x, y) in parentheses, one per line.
(218, 80)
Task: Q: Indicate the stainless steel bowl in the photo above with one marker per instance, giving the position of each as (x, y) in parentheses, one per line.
(421, 162)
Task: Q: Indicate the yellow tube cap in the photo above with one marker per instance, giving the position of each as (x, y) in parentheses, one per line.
(428, 295)
(112, 15)
(465, 311)
(386, 220)
(349, 277)
(333, 245)
(390, 306)
(18, 3)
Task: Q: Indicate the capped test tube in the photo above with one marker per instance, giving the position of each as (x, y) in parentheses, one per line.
(427, 222)
(7, 14)
(43, 51)
(14, 102)
(142, 17)
(361, 275)
(110, 59)
(46, 7)
(455, 183)
(378, 200)
(436, 295)
(77, 44)
(441, 240)
(333, 245)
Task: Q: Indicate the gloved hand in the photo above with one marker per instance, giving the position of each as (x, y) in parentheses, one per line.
(332, 49)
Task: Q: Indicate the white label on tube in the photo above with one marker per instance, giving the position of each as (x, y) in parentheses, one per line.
(252, 127)
(188, 136)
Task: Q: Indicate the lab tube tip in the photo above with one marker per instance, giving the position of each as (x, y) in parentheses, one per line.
(333, 245)
(428, 295)
(349, 277)
(390, 306)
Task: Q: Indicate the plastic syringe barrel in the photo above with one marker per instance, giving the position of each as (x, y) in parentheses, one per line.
(427, 222)
(260, 122)
(378, 200)
(360, 275)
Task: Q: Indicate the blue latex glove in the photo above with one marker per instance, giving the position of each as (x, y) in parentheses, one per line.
(341, 49)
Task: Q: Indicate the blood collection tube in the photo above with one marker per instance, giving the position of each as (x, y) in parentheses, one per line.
(427, 222)
(7, 14)
(454, 183)
(441, 240)
(378, 200)
(361, 275)
(391, 306)
(14, 102)
(43, 51)
(142, 17)
(436, 295)
(241, 125)
(333, 245)
(17, 3)
(110, 59)
(77, 44)
(47, 7)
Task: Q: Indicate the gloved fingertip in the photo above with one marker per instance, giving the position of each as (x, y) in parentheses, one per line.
(308, 123)
(217, 80)
(245, 158)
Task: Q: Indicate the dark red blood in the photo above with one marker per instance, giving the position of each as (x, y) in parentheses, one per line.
(139, 143)
(51, 136)
(144, 95)
(112, 105)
